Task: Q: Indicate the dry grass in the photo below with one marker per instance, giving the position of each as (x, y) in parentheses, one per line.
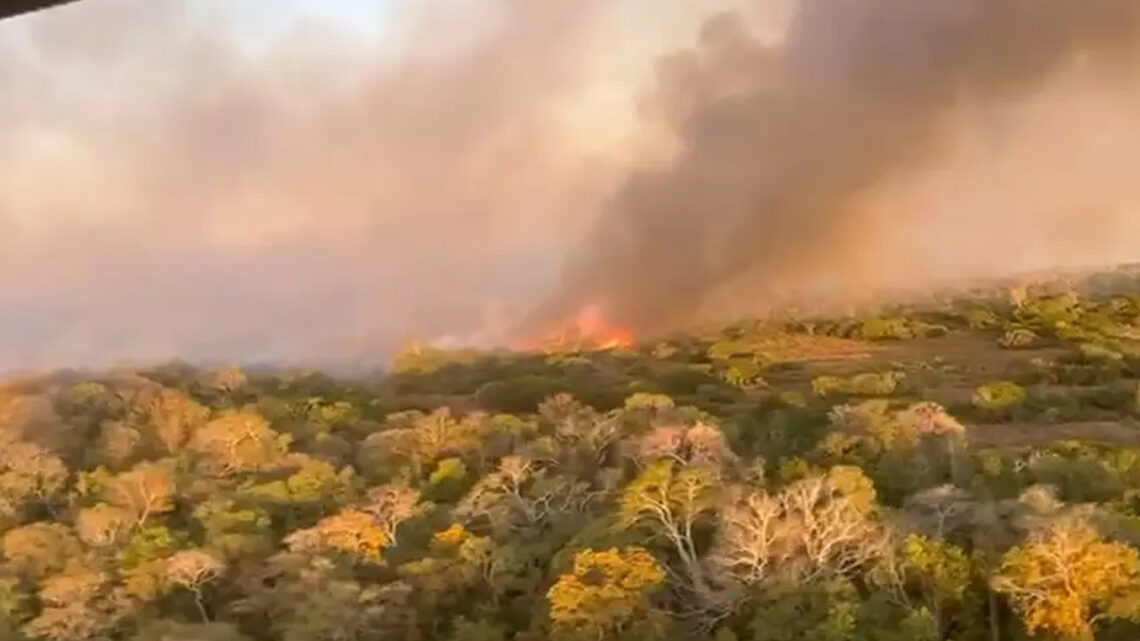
(1023, 434)
(800, 348)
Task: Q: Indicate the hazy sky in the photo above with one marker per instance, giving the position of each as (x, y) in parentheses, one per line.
(304, 181)
(298, 180)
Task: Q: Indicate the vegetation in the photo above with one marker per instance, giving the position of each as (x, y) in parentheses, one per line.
(968, 470)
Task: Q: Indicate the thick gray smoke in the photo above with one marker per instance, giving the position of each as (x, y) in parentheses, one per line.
(827, 156)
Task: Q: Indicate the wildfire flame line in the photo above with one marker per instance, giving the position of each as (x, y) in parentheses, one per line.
(587, 331)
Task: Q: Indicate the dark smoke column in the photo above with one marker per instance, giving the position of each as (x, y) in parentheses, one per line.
(778, 141)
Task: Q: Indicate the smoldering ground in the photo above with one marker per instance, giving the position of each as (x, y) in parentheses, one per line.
(167, 191)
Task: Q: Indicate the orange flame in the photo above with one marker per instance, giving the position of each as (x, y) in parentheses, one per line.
(588, 331)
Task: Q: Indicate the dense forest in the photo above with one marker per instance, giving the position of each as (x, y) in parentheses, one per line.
(967, 469)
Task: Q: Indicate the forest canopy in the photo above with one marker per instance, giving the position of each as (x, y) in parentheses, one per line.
(911, 474)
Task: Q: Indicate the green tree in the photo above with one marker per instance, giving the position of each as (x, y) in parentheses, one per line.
(926, 575)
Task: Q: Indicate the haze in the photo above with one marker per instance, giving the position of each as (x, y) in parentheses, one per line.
(183, 179)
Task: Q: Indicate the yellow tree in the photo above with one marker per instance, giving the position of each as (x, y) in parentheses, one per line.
(172, 417)
(1063, 579)
(389, 506)
(238, 442)
(418, 440)
(39, 549)
(228, 379)
(605, 594)
(75, 605)
(103, 525)
(28, 474)
(349, 532)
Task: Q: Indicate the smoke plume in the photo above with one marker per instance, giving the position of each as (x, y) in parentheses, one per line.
(173, 184)
(875, 143)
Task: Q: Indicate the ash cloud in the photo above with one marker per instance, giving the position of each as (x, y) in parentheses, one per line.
(876, 143)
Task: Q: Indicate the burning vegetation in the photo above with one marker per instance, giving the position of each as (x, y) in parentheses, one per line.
(587, 331)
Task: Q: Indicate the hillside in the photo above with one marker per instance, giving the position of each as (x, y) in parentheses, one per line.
(967, 468)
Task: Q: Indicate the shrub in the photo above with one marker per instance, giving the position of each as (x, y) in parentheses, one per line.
(685, 381)
(933, 331)
(1093, 353)
(999, 399)
(664, 351)
(1090, 364)
(981, 319)
(742, 373)
(417, 357)
(1115, 398)
(1019, 338)
(518, 395)
(872, 384)
(865, 384)
(877, 329)
(1049, 312)
(1053, 407)
(825, 385)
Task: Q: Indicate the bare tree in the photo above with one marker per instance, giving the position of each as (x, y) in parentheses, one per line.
(811, 529)
(932, 420)
(28, 473)
(390, 505)
(750, 531)
(103, 525)
(673, 499)
(193, 570)
(940, 511)
(520, 493)
(697, 444)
